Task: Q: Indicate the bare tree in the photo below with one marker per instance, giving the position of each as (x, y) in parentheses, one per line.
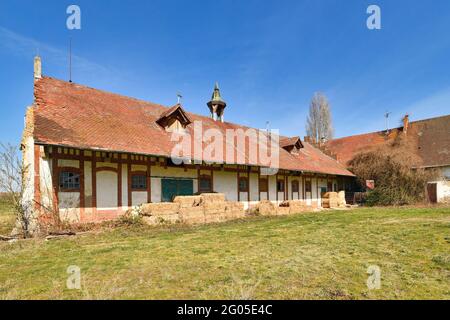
(319, 124)
(13, 182)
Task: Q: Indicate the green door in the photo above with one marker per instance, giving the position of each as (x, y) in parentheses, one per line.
(176, 187)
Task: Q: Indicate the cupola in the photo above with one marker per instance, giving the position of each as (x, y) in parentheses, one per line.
(217, 104)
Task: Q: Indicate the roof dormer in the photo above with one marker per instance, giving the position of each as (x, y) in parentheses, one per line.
(175, 119)
(292, 144)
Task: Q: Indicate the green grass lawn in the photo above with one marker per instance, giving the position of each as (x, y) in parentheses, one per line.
(306, 256)
(6, 216)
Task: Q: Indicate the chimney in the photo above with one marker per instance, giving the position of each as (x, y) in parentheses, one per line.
(37, 68)
(405, 123)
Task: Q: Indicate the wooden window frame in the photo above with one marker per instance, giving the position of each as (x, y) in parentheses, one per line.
(283, 184)
(141, 174)
(205, 177)
(265, 184)
(297, 186)
(246, 184)
(62, 170)
(308, 183)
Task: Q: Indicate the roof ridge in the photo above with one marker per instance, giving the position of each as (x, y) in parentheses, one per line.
(395, 128)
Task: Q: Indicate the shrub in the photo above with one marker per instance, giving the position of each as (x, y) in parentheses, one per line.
(390, 166)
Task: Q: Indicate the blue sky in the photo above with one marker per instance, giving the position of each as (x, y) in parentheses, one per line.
(269, 57)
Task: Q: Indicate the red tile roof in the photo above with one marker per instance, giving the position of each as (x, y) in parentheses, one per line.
(68, 114)
(429, 138)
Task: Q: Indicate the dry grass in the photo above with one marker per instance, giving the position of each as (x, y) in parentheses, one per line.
(306, 256)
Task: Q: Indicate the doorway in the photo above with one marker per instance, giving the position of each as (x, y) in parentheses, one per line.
(170, 188)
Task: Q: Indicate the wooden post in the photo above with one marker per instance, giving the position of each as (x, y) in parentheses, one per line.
(149, 182)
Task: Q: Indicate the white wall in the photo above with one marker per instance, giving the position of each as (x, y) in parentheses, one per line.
(106, 190)
(226, 182)
(138, 198)
(124, 186)
(254, 187)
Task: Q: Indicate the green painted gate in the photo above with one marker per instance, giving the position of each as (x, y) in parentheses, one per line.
(176, 187)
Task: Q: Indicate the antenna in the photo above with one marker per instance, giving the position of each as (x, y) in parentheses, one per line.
(386, 115)
(70, 59)
(179, 97)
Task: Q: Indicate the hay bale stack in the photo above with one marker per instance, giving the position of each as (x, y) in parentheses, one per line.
(193, 215)
(330, 200)
(159, 209)
(267, 208)
(296, 206)
(187, 201)
(212, 197)
(283, 211)
(161, 219)
(234, 210)
(341, 199)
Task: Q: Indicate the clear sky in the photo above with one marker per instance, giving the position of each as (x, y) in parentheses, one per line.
(269, 57)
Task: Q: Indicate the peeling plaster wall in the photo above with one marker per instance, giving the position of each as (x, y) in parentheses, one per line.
(69, 204)
(46, 183)
(443, 186)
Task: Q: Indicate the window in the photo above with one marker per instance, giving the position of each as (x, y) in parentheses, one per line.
(295, 186)
(69, 181)
(330, 186)
(263, 185)
(139, 182)
(243, 184)
(307, 186)
(205, 184)
(280, 185)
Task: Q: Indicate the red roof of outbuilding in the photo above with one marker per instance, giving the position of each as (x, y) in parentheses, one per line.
(429, 139)
(68, 114)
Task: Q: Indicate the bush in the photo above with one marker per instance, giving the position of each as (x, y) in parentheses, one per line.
(390, 167)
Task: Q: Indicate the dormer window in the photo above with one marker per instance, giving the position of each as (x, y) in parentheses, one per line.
(291, 145)
(174, 119)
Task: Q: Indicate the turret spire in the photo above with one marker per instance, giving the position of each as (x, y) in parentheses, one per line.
(217, 104)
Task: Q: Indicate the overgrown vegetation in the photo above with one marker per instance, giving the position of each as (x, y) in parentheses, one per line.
(390, 166)
(305, 256)
(13, 187)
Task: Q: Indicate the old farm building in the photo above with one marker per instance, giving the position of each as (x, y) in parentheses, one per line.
(93, 154)
(428, 141)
